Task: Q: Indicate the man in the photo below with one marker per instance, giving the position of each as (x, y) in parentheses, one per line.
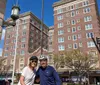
(28, 73)
(47, 74)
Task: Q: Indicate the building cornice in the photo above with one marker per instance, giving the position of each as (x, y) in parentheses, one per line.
(62, 2)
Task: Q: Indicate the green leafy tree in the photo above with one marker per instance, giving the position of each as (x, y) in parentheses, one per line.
(77, 61)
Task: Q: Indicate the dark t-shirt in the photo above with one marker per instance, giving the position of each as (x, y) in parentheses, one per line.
(48, 76)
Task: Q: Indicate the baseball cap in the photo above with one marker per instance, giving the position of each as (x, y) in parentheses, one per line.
(33, 58)
(43, 57)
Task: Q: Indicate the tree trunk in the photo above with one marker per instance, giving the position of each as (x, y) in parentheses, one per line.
(80, 82)
(88, 79)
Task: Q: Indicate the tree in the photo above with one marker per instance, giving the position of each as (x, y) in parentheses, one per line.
(3, 68)
(77, 61)
(58, 61)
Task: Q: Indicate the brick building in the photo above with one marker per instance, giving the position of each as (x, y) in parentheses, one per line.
(29, 40)
(2, 11)
(50, 41)
(74, 22)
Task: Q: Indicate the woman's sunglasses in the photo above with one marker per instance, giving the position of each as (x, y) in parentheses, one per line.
(33, 61)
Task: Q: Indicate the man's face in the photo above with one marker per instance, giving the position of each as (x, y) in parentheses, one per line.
(33, 63)
(43, 63)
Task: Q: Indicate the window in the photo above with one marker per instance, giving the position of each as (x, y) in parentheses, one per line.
(78, 20)
(80, 44)
(68, 29)
(24, 33)
(69, 45)
(90, 44)
(87, 18)
(79, 28)
(85, 3)
(79, 36)
(22, 60)
(60, 32)
(60, 25)
(59, 11)
(93, 53)
(74, 37)
(24, 26)
(75, 46)
(76, 6)
(60, 40)
(7, 48)
(22, 52)
(89, 35)
(73, 29)
(60, 17)
(72, 7)
(61, 48)
(88, 27)
(6, 54)
(86, 10)
(23, 40)
(14, 41)
(23, 46)
(73, 22)
(72, 13)
(69, 37)
(13, 47)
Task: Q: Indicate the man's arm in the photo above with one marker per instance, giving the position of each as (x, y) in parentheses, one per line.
(56, 76)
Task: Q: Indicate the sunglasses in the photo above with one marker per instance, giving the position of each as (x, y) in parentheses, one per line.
(33, 61)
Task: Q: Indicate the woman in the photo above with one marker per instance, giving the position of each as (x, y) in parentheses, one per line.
(28, 73)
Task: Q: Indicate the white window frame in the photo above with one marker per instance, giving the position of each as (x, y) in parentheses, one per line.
(88, 27)
(60, 25)
(74, 45)
(90, 44)
(60, 32)
(61, 47)
(59, 11)
(73, 21)
(60, 17)
(72, 13)
(73, 31)
(73, 36)
(89, 35)
(87, 18)
(60, 39)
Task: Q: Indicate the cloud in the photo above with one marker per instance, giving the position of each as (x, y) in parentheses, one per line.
(0, 51)
(3, 34)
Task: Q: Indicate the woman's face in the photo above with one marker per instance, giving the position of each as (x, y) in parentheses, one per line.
(33, 63)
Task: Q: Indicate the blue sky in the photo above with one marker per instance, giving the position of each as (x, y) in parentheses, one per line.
(35, 7)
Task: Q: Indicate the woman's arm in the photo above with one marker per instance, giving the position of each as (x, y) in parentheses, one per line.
(22, 80)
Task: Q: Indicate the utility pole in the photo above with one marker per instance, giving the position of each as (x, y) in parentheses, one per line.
(42, 19)
(96, 42)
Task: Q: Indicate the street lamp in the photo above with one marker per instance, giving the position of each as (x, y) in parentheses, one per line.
(15, 12)
(14, 16)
